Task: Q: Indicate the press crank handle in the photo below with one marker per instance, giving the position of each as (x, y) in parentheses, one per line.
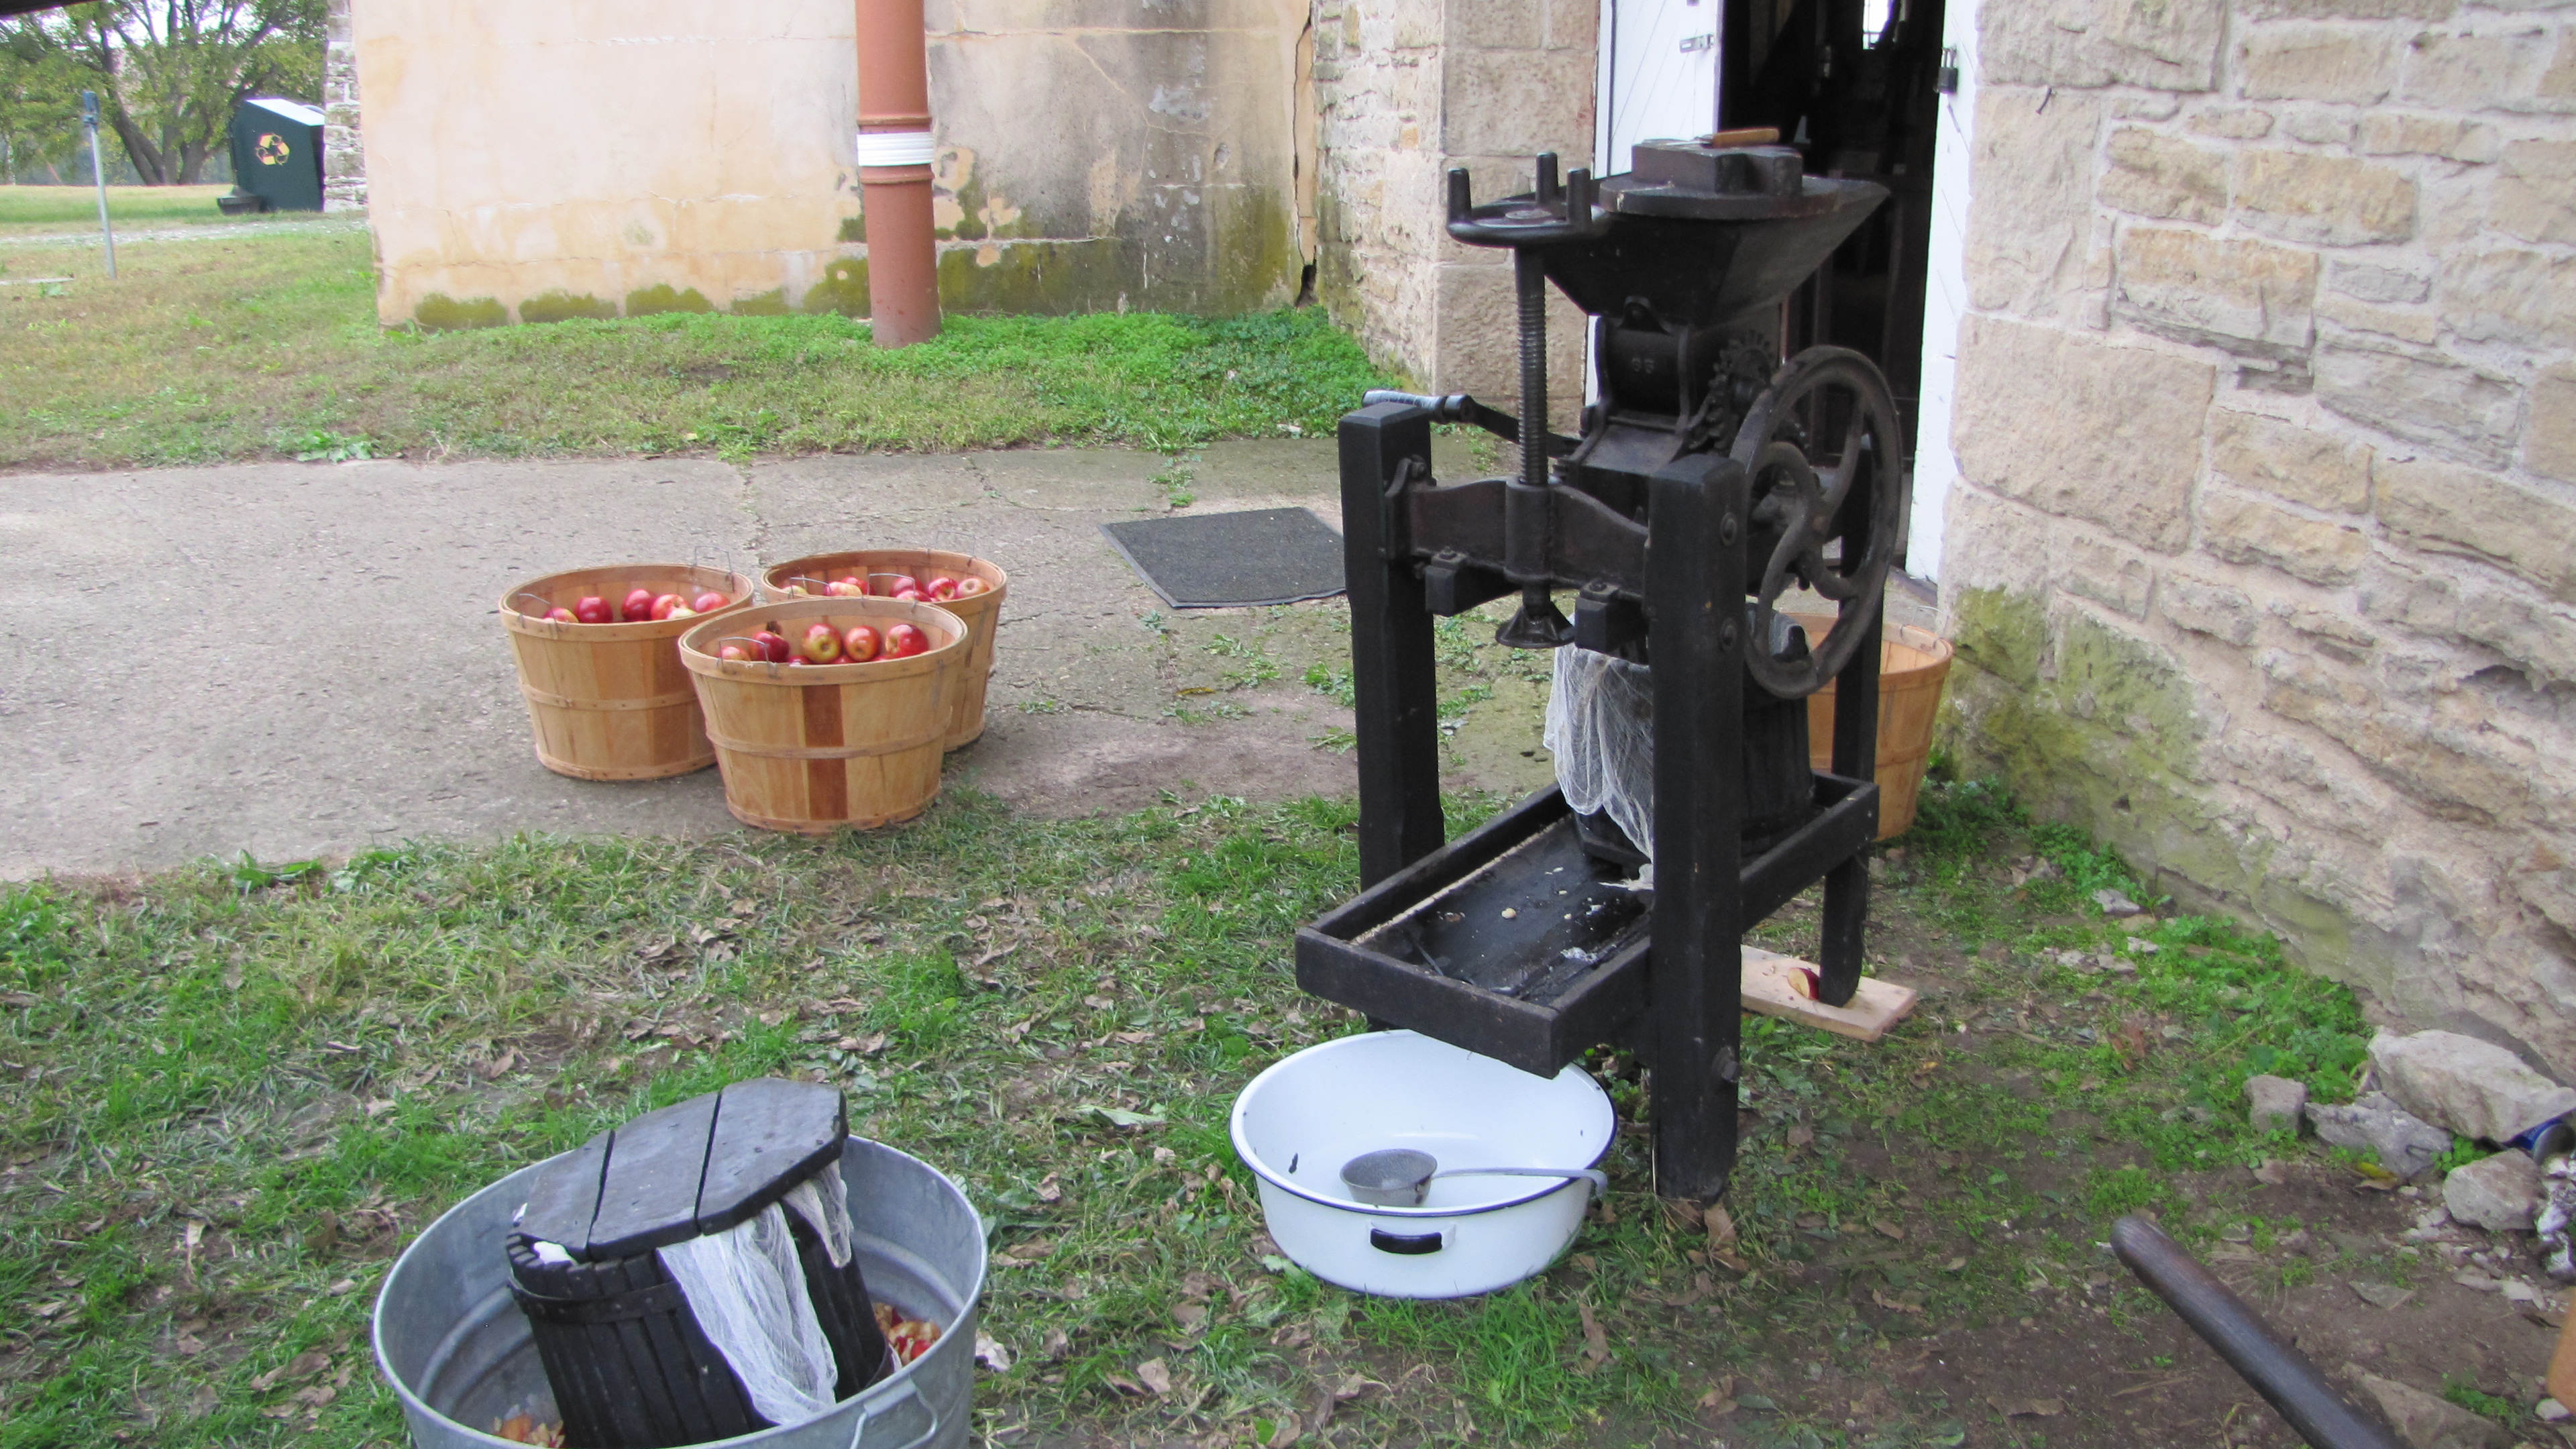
(1457, 407)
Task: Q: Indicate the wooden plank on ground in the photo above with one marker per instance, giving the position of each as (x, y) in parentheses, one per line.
(1774, 986)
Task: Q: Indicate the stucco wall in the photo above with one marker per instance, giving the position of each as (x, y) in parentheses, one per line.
(2264, 543)
(591, 158)
(1406, 89)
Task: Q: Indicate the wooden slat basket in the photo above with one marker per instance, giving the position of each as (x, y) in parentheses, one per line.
(1912, 665)
(815, 748)
(982, 612)
(612, 701)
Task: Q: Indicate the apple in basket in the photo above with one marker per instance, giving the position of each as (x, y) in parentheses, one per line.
(846, 589)
(910, 596)
(639, 606)
(941, 588)
(905, 640)
(709, 602)
(739, 651)
(591, 610)
(773, 646)
(561, 615)
(895, 584)
(663, 605)
(969, 586)
(822, 645)
(859, 645)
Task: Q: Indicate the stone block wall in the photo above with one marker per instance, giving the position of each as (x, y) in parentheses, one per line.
(1404, 90)
(2263, 552)
(344, 147)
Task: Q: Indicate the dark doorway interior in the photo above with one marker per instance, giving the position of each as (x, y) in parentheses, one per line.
(1855, 85)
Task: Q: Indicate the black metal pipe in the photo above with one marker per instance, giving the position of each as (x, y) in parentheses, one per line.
(2271, 1364)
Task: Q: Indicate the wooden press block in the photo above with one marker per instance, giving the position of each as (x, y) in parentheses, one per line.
(1774, 987)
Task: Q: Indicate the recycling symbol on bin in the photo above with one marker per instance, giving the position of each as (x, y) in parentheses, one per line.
(272, 149)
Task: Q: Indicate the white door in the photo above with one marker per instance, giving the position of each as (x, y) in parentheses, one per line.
(1945, 298)
(1658, 74)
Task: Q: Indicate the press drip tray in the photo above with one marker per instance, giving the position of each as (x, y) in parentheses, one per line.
(1515, 942)
(1535, 921)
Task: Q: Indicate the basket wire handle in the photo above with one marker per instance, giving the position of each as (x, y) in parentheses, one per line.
(545, 606)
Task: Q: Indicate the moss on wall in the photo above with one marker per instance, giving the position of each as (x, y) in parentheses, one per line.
(772, 303)
(662, 297)
(440, 312)
(560, 305)
(844, 289)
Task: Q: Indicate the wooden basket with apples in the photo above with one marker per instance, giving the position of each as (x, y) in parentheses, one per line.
(828, 712)
(974, 593)
(599, 663)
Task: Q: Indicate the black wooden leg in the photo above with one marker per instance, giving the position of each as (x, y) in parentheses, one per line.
(1846, 913)
(1391, 666)
(1695, 597)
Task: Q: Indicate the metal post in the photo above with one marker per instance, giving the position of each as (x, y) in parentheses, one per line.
(1694, 989)
(1846, 905)
(1397, 717)
(98, 168)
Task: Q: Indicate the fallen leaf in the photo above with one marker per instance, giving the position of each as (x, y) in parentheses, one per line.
(2022, 1408)
(2272, 1172)
(1886, 1229)
(1056, 1344)
(188, 1343)
(1190, 1316)
(1719, 1402)
(1596, 1343)
(1901, 1304)
(1030, 1251)
(1284, 1430)
(344, 1285)
(493, 1070)
(203, 1401)
(1954, 1265)
(990, 1353)
(1802, 1135)
(317, 1396)
(1120, 1117)
(1155, 1375)
(1049, 1190)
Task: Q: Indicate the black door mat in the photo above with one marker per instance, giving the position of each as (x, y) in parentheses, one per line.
(1233, 560)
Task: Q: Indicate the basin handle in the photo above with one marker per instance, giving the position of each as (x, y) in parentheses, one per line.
(908, 1389)
(1404, 1244)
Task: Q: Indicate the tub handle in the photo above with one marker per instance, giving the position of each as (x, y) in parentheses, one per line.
(1411, 1245)
(909, 1389)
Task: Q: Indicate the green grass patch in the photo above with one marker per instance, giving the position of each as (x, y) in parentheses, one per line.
(65, 208)
(262, 343)
(238, 1089)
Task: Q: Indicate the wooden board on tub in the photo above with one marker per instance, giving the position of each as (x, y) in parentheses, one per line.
(1774, 986)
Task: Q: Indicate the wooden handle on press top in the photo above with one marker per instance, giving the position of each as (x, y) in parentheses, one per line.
(1744, 136)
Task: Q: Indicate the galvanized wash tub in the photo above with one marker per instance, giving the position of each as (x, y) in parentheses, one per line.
(458, 1353)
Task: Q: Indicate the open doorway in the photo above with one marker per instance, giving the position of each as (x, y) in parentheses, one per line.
(1855, 86)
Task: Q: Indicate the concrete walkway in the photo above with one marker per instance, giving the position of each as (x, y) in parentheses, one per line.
(303, 659)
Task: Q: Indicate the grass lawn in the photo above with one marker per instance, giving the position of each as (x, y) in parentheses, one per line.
(50, 210)
(236, 1092)
(260, 341)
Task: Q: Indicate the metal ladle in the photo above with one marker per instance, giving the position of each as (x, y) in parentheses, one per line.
(1401, 1176)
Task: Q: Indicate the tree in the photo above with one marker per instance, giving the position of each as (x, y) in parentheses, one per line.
(39, 102)
(170, 73)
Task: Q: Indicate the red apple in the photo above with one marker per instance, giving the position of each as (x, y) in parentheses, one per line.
(561, 615)
(895, 584)
(904, 641)
(735, 650)
(845, 589)
(798, 661)
(591, 610)
(942, 588)
(663, 605)
(682, 611)
(639, 605)
(969, 586)
(822, 645)
(910, 596)
(859, 644)
(709, 602)
(773, 646)
(855, 582)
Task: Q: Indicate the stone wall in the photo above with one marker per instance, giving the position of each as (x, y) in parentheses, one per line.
(1406, 89)
(2264, 545)
(598, 158)
(344, 147)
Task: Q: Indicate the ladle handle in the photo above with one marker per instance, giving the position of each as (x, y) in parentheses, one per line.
(1600, 1180)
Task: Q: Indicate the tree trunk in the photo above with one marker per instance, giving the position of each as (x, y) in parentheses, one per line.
(192, 161)
(140, 150)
